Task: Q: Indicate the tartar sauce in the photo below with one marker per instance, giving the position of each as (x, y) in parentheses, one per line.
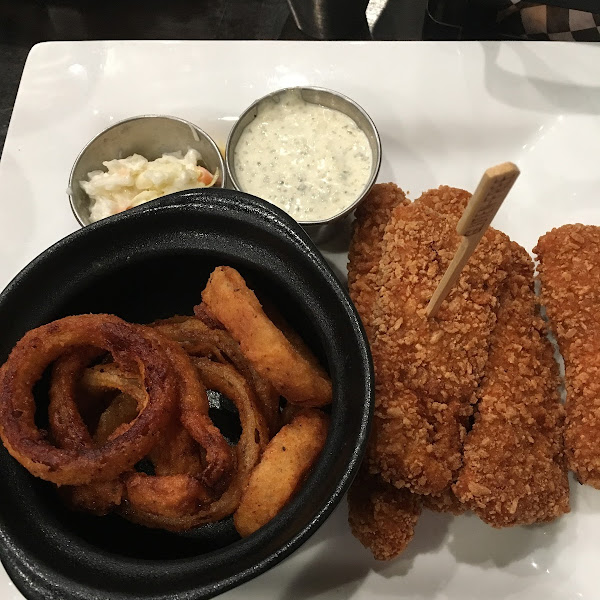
(309, 160)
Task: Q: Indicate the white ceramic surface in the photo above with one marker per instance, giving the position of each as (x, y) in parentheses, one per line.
(445, 112)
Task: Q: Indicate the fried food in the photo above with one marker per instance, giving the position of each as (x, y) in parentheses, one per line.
(446, 502)
(512, 491)
(176, 459)
(299, 380)
(514, 469)
(68, 430)
(193, 405)
(67, 427)
(252, 442)
(366, 247)
(123, 409)
(193, 409)
(25, 365)
(210, 340)
(569, 271)
(281, 470)
(428, 369)
(451, 202)
(428, 374)
(168, 496)
(129, 424)
(185, 490)
(175, 451)
(98, 498)
(255, 431)
(373, 503)
(381, 516)
(445, 200)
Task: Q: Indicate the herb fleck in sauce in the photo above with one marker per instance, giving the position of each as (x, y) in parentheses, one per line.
(307, 159)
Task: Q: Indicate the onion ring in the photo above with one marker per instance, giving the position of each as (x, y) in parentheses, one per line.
(193, 401)
(225, 379)
(200, 339)
(129, 347)
(122, 410)
(177, 453)
(70, 432)
(66, 425)
(174, 453)
(193, 404)
(149, 401)
(181, 485)
(175, 489)
(166, 496)
(98, 498)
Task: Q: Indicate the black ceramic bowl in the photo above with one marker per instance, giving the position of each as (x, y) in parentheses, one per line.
(145, 264)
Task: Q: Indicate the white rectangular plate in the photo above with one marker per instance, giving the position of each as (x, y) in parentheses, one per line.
(445, 112)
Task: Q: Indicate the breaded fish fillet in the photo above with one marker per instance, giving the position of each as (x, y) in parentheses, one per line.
(514, 471)
(446, 502)
(427, 370)
(450, 202)
(381, 516)
(569, 271)
(446, 200)
(365, 249)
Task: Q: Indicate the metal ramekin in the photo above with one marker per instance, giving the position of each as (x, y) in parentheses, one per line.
(323, 229)
(148, 135)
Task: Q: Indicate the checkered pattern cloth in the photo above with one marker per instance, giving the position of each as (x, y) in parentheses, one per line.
(541, 22)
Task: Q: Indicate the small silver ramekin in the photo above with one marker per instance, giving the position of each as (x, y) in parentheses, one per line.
(323, 229)
(148, 135)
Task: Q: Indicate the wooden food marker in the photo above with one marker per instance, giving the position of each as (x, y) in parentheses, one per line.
(481, 210)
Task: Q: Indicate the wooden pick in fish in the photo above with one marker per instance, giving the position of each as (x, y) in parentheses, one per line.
(482, 208)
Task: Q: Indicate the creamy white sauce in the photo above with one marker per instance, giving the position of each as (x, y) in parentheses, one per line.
(310, 161)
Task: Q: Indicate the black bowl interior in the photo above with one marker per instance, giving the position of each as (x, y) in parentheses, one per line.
(152, 263)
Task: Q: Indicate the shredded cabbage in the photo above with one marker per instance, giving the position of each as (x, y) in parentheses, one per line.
(131, 181)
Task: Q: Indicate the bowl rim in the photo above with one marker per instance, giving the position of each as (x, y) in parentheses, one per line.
(25, 574)
(198, 130)
(375, 160)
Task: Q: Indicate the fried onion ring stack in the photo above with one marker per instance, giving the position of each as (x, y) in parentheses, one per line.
(129, 429)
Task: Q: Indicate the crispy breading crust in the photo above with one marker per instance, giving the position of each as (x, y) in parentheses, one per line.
(427, 370)
(569, 271)
(365, 249)
(451, 202)
(428, 373)
(514, 470)
(446, 200)
(446, 502)
(540, 488)
(382, 517)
